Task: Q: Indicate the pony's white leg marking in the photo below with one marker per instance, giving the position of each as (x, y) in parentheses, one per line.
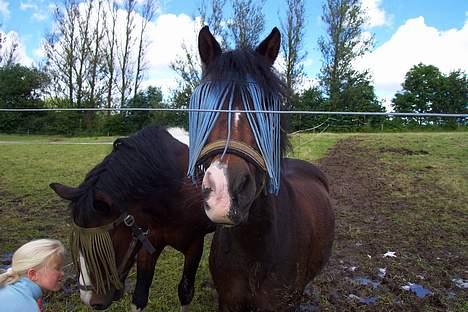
(218, 202)
(184, 308)
(84, 279)
(134, 308)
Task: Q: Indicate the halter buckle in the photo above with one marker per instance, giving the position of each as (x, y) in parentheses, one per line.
(129, 220)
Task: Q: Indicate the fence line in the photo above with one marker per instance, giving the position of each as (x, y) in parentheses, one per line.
(239, 111)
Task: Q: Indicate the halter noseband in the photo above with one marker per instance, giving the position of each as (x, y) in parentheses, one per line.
(235, 147)
(240, 149)
(138, 236)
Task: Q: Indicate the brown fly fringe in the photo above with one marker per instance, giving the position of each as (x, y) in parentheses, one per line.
(96, 247)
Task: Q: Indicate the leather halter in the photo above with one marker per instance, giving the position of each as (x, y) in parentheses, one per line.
(235, 147)
(240, 149)
(138, 236)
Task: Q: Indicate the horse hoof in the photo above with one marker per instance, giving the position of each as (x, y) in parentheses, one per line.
(135, 309)
(184, 308)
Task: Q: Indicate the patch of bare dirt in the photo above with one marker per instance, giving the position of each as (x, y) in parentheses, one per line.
(375, 258)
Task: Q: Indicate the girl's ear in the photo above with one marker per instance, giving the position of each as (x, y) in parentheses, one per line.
(32, 274)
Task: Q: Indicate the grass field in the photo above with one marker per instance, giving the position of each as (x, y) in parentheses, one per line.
(426, 172)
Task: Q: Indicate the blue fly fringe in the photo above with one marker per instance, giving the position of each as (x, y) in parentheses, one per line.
(212, 95)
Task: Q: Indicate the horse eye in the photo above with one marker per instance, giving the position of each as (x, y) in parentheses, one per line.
(101, 206)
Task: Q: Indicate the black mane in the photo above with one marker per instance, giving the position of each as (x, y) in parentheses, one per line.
(243, 65)
(142, 164)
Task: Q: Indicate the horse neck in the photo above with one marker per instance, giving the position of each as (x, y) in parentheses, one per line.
(188, 198)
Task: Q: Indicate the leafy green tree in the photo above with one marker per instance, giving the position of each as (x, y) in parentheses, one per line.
(150, 98)
(20, 87)
(427, 90)
(180, 99)
(311, 99)
(453, 96)
(343, 43)
(419, 90)
(292, 43)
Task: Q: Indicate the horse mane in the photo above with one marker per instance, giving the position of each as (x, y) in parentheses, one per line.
(244, 65)
(140, 165)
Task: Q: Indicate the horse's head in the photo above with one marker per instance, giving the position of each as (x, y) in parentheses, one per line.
(239, 152)
(101, 245)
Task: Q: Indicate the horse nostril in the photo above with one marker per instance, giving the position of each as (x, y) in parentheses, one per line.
(206, 192)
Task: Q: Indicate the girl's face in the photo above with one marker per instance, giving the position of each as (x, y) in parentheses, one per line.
(49, 277)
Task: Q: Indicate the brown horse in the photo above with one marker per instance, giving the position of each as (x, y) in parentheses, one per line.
(276, 222)
(134, 203)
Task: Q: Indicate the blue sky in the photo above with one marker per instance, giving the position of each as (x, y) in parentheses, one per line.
(406, 32)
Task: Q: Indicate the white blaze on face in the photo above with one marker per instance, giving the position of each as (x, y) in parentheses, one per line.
(84, 279)
(236, 119)
(219, 200)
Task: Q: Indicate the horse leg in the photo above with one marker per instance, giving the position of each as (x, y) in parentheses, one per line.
(191, 262)
(145, 271)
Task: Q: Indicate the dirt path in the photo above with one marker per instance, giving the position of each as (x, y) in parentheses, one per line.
(359, 276)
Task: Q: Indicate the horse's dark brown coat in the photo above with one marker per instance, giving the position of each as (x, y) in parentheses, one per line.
(279, 242)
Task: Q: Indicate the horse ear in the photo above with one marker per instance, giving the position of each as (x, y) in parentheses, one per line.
(208, 47)
(66, 192)
(269, 47)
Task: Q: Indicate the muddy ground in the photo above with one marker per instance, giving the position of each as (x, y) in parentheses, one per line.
(359, 276)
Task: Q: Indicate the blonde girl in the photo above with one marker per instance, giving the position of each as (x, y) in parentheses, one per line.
(36, 266)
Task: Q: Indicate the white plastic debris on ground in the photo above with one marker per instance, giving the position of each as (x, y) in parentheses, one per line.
(390, 254)
(460, 283)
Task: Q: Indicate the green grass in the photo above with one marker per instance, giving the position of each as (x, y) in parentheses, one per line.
(312, 147)
(433, 172)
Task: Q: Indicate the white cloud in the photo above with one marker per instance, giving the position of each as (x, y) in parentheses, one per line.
(167, 34)
(4, 9)
(28, 6)
(415, 42)
(376, 15)
(38, 13)
(12, 38)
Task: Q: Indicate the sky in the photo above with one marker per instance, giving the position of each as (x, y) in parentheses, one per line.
(406, 32)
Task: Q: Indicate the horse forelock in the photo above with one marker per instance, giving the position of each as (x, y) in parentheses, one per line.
(245, 65)
(241, 79)
(138, 166)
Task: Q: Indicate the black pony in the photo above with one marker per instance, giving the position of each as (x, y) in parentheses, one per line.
(130, 206)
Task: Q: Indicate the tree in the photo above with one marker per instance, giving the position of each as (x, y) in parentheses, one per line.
(59, 47)
(291, 45)
(89, 63)
(427, 90)
(343, 43)
(310, 99)
(420, 88)
(247, 22)
(8, 48)
(124, 56)
(151, 98)
(20, 87)
(147, 11)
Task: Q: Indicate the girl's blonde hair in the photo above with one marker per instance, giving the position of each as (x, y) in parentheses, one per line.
(31, 255)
